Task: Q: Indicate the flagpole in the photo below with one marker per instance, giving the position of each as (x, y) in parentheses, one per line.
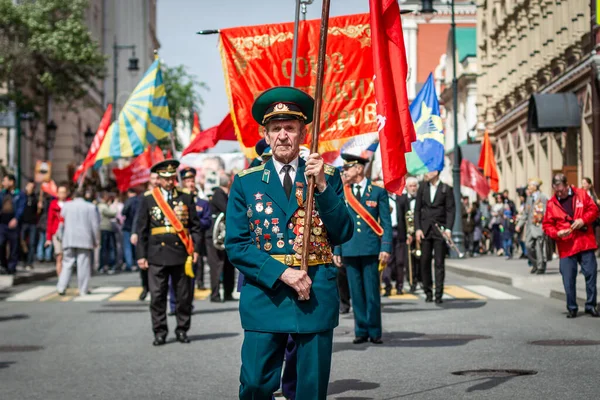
(295, 43)
(314, 146)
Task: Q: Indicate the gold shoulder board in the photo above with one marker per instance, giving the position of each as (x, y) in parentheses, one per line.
(251, 170)
(329, 169)
(148, 193)
(379, 184)
(184, 190)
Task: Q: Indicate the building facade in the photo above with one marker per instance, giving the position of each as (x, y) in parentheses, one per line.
(536, 47)
(126, 23)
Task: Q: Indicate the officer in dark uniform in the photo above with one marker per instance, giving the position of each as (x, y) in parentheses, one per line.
(168, 238)
(371, 244)
(188, 178)
(265, 227)
(434, 205)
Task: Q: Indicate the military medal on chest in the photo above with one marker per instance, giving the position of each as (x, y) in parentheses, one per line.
(259, 207)
(268, 246)
(258, 229)
(280, 242)
(249, 212)
(269, 209)
(275, 223)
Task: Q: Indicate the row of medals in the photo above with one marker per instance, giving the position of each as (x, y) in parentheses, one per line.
(319, 247)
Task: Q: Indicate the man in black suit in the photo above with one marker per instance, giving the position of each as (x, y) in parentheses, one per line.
(434, 205)
(217, 259)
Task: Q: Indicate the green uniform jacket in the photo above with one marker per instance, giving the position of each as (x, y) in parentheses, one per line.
(365, 242)
(266, 303)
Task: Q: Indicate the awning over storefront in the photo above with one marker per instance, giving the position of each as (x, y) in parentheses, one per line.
(553, 112)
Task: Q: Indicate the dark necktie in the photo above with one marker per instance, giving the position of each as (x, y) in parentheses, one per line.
(287, 180)
(357, 192)
(169, 197)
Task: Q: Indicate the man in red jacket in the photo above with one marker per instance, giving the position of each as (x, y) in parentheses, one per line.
(568, 220)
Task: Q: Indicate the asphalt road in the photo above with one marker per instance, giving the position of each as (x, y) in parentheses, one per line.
(102, 349)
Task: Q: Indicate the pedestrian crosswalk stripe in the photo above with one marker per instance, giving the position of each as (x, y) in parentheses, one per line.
(201, 294)
(129, 294)
(461, 293)
(93, 297)
(107, 289)
(32, 294)
(405, 296)
(491, 293)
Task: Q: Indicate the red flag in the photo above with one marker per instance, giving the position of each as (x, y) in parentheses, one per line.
(90, 158)
(471, 177)
(50, 188)
(208, 138)
(195, 127)
(138, 172)
(487, 162)
(394, 123)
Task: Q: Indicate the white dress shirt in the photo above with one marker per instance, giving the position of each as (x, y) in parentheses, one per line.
(433, 190)
(363, 186)
(412, 200)
(281, 173)
(394, 212)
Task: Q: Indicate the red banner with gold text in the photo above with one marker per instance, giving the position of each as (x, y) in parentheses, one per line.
(256, 58)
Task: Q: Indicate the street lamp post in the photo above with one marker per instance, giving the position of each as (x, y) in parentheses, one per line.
(458, 235)
(133, 66)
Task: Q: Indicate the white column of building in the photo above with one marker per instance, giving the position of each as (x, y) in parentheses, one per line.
(410, 38)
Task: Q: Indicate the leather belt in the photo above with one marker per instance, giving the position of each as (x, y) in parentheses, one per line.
(161, 230)
(291, 261)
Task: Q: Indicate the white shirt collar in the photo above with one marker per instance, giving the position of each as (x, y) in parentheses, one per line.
(363, 183)
(279, 166)
(436, 184)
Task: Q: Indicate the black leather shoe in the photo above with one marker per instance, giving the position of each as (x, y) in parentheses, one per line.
(571, 314)
(439, 301)
(593, 312)
(399, 292)
(143, 295)
(533, 270)
(387, 293)
(344, 310)
(413, 288)
(229, 298)
(429, 299)
(540, 272)
(159, 341)
(182, 337)
(215, 300)
(376, 340)
(360, 340)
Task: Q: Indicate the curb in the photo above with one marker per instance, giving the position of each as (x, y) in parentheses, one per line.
(26, 277)
(505, 280)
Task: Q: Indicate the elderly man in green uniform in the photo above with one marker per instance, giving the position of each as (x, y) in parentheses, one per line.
(168, 245)
(265, 228)
(371, 244)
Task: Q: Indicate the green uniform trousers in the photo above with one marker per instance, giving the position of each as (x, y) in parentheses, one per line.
(363, 278)
(262, 359)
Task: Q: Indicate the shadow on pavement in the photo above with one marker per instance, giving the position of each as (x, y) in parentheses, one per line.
(132, 304)
(13, 317)
(485, 384)
(392, 310)
(215, 310)
(462, 304)
(213, 336)
(6, 364)
(489, 384)
(411, 339)
(120, 311)
(346, 385)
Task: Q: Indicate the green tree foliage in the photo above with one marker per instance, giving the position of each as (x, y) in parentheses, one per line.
(47, 52)
(183, 97)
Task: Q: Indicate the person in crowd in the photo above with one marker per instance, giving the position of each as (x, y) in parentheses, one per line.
(12, 203)
(128, 213)
(475, 213)
(188, 178)
(520, 218)
(496, 222)
(29, 224)
(218, 260)
(435, 205)
(80, 228)
(116, 204)
(152, 183)
(508, 231)
(406, 204)
(44, 253)
(342, 277)
(394, 270)
(468, 224)
(371, 244)
(535, 207)
(507, 200)
(54, 220)
(588, 187)
(107, 234)
(568, 220)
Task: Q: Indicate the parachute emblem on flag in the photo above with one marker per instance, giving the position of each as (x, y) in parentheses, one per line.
(429, 126)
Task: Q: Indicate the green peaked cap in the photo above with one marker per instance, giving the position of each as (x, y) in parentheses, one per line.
(283, 103)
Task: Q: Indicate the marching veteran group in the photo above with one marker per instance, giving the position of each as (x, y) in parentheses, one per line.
(286, 312)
